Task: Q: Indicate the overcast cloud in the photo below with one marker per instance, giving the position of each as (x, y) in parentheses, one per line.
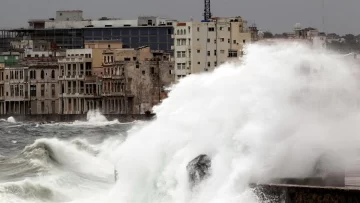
(341, 16)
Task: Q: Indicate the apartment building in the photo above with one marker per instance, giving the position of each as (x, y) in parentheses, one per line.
(74, 70)
(202, 46)
(43, 85)
(2, 90)
(134, 79)
(14, 90)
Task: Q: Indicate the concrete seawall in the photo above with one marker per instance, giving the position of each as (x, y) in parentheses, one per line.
(306, 194)
(80, 117)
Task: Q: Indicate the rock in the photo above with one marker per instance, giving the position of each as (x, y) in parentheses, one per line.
(199, 169)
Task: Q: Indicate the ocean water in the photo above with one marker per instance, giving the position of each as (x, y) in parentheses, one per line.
(271, 115)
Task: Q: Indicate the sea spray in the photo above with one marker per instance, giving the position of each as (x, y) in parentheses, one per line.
(271, 116)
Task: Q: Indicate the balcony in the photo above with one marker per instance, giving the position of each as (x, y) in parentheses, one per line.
(74, 60)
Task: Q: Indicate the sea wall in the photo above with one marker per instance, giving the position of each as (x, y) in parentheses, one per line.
(306, 194)
(73, 117)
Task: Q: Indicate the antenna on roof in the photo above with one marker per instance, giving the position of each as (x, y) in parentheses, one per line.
(207, 10)
(323, 15)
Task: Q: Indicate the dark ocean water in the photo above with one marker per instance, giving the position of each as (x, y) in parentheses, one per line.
(57, 162)
(16, 136)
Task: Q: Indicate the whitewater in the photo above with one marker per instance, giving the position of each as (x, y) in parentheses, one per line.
(270, 115)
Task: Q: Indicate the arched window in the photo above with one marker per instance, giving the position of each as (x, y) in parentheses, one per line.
(53, 74)
(42, 74)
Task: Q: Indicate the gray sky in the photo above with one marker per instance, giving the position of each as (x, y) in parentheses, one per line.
(341, 16)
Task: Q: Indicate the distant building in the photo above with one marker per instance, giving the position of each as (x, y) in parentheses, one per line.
(15, 90)
(9, 58)
(127, 81)
(44, 87)
(70, 31)
(77, 86)
(202, 46)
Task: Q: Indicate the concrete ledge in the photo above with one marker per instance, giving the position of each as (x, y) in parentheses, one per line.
(80, 117)
(307, 194)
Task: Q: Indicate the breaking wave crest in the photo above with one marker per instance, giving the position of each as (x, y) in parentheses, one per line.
(95, 118)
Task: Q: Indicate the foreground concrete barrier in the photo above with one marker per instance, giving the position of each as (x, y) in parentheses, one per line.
(288, 193)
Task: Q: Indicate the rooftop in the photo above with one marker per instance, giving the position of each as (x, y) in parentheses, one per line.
(70, 11)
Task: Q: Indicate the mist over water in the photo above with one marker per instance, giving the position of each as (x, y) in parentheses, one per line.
(272, 115)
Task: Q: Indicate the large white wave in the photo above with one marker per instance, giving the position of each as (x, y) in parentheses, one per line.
(271, 116)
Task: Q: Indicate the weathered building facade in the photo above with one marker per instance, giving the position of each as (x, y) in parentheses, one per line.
(75, 72)
(15, 91)
(43, 86)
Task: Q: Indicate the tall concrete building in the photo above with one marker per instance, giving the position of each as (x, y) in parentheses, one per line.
(43, 86)
(77, 88)
(202, 46)
(69, 30)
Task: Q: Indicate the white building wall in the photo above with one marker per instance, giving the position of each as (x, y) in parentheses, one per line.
(207, 44)
(114, 23)
(78, 52)
(66, 24)
(31, 53)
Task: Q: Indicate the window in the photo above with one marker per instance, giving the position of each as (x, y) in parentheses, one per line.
(21, 75)
(21, 90)
(215, 63)
(222, 39)
(208, 53)
(244, 41)
(53, 74)
(232, 53)
(198, 39)
(74, 70)
(53, 90)
(211, 29)
(33, 90)
(234, 41)
(180, 66)
(42, 74)
(81, 69)
(152, 70)
(198, 51)
(12, 90)
(178, 54)
(183, 54)
(214, 41)
(42, 90)
(214, 52)
(208, 40)
(221, 28)
(198, 29)
(208, 64)
(199, 62)
(222, 51)
(42, 107)
(229, 41)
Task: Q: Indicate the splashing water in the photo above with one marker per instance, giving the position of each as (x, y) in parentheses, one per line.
(271, 116)
(11, 120)
(96, 118)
